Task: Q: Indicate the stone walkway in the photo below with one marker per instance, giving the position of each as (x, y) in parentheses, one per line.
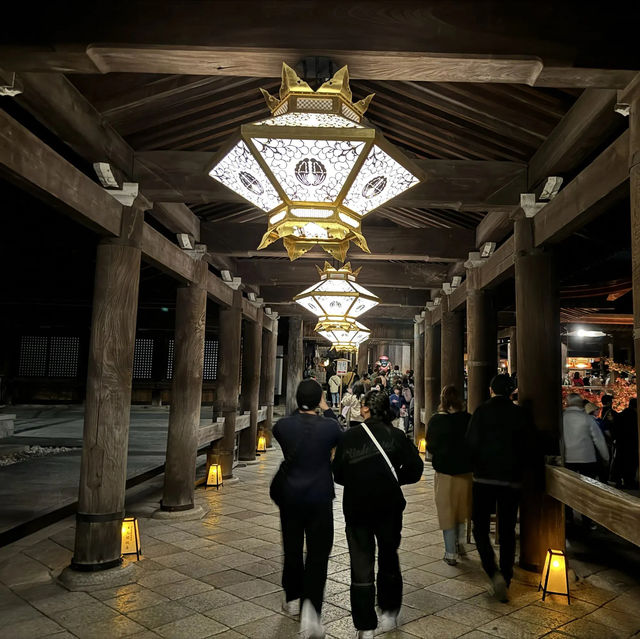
(220, 577)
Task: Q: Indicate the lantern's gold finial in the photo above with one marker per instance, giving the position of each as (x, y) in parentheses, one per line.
(362, 105)
(339, 83)
(291, 83)
(272, 102)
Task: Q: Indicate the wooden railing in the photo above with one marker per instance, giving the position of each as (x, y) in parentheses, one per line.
(210, 431)
(607, 506)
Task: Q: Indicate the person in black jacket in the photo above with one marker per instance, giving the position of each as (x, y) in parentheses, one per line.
(305, 502)
(451, 460)
(501, 444)
(373, 504)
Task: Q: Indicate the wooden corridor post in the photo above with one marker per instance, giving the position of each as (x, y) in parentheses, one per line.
(295, 361)
(513, 351)
(481, 341)
(251, 367)
(431, 368)
(418, 378)
(452, 354)
(363, 359)
(634, 185)
(539, 386)
(228, 379)
(103, 469)
(186, 394)
(268, 377)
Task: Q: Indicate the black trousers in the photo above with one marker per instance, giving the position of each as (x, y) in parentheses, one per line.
(305, 578)
(386, 529)
(485, 499)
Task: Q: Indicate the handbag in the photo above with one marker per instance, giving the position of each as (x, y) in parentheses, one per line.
(278, 487)
(377, 443)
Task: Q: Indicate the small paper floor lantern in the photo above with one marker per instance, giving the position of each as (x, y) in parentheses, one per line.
(214, 476)
(422, 446)
(262, 444)
(131, 537)
(555, 577)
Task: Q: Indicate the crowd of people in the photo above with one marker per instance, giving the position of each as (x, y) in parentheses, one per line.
(479, 462)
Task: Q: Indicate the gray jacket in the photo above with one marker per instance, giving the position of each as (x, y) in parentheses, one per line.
(581, 437)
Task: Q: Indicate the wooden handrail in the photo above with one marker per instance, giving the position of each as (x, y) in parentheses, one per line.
(608, 506)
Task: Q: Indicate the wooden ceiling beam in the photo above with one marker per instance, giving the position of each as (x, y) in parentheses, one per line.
(266, 62)
(270, 272)
(241, 240)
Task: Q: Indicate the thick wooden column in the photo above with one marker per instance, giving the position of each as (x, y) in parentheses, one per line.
(431, 368)
(363, 359)
(452, 355)
(103, 468)
(481, 342)
(268, 377)
(539, 386)
(418, 378)
(227, 381)
(186, 394)
(634, 184)
(251, 366)
(295, 361)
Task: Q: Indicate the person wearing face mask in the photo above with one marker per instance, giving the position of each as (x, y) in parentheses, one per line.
(372, 461)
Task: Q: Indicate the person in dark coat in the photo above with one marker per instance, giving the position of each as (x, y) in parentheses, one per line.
(500, 440)
(373, 504)
(305, 502)
(626, 456)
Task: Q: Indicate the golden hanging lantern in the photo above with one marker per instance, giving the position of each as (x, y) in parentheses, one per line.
(314, 166)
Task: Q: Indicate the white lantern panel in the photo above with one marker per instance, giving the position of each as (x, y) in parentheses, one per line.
(335, 304)
(380, 179)
(335, 286)
(328, 335)
(362, 289)
(323, 120)
(309, 170)
(310, 304)
(240, 172)
(362, 306)
(311, 231)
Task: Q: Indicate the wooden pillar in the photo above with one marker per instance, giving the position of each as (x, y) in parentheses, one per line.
(539, 386)
(268, 377)
(452, 354)
(418, 378)
(634, 184)
(186, 393)
(481, 342)
(228, 374)
(295, 361)
(103, 468)
(251, 366)
(431, 368)
(363, 355)
(513, 351)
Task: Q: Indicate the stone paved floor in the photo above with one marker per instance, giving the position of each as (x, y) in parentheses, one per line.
(220, 577)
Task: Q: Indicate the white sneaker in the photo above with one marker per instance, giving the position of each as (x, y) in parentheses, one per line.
(387, 621)
(499, 587)
(310, 625)
(365, 634)
(291, 607)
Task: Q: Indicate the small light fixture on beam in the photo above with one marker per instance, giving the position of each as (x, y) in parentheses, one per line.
(446, 288)
(437, 300)
(456, 281)
(251, 296)
(551, 187)
(214, 476)
(185, 241)
(231, 282)
(131, 537)
(486, 250)
(623, 109)
(555, 576)
(105, 175)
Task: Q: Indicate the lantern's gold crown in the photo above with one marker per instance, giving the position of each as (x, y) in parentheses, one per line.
(314, 166)
(337, 87)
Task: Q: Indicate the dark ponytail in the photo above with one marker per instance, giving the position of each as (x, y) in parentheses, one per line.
(378, 403)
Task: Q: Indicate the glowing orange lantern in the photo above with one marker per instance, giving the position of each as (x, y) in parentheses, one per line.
(214, 476)
(555, 578)
(262, 444)
(131, 537)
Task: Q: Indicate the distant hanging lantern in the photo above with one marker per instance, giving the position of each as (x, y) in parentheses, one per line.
(314, 167)
(131, 537)
(555, 576)
(262, 444)
(214, 476)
